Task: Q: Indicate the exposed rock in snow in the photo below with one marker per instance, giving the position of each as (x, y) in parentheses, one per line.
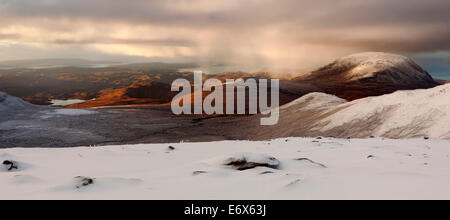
(195, 173)
(10, 165)
(13, 166)
(250, 161)
(311, 162)
(81, 181)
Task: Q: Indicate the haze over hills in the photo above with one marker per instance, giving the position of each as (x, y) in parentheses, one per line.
(309, 110)
(352, 77)
(38, 86)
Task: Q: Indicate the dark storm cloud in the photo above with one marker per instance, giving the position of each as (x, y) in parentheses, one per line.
(98, 10)
(226, 28)
(421, 42)
(306, 12)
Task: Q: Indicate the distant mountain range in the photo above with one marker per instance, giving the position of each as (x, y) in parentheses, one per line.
(353, 77)
(39, 86)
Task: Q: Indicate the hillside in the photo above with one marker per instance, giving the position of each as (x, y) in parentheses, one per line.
(403, 114)
(362, 75)
(10, 104)
(136, 94)
(39, 86)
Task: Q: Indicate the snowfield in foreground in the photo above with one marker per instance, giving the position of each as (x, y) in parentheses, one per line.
(290, 168)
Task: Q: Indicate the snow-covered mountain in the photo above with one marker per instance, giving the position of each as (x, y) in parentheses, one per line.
(9, 104)
(365, 74)
(385, 66)
(403, 114)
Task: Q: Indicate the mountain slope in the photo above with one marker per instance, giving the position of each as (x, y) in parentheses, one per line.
(362, 75)
(136, 94)
(10, 104)
(383, 66)
(403, 114)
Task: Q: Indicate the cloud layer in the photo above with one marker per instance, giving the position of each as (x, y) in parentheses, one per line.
(299, 34)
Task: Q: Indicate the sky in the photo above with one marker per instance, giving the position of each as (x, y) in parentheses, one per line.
(281, 34)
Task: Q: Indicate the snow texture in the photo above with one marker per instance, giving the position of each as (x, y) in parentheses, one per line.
(316, 101)
(308, 168)
(416, 112)
(367, 64)
(9, 104)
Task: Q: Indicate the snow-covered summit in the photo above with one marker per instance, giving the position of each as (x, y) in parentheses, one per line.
(365, 65)
(362, 75)
(376, 67)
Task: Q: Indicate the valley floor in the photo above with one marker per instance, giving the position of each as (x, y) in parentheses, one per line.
(304, 168)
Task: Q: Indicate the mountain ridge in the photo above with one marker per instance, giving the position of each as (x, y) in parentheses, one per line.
(362, 75)
(403, 114)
